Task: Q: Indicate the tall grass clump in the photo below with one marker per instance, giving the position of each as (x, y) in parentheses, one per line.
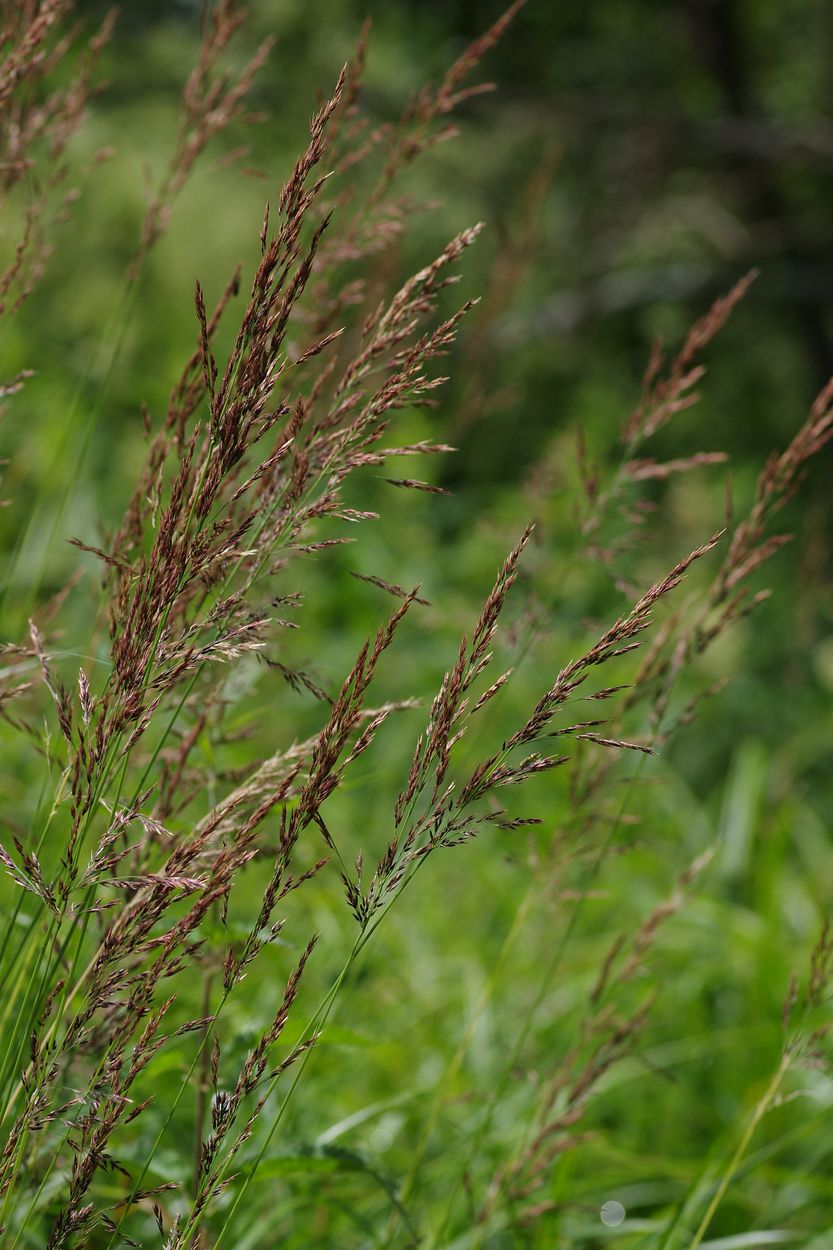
(206, 866)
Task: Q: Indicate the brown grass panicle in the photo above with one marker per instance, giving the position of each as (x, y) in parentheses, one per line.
(454, 811)
(37, 122)
(213, 100)
(607, 1032)
(205, 531)
(612, 503)
(44, 116)
(611, 518)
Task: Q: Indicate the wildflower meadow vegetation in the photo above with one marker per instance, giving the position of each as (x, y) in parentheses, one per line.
(394, 855)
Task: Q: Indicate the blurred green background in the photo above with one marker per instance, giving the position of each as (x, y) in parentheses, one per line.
(636, 159)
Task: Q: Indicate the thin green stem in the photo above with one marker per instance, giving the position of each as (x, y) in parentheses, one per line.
(760, 1111)
(314, 1024)
(27, 1016)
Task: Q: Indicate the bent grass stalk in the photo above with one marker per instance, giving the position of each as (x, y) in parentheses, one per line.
(493, 1099)
(314, 1025)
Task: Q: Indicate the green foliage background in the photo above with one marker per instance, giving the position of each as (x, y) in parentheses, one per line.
(688, 141)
